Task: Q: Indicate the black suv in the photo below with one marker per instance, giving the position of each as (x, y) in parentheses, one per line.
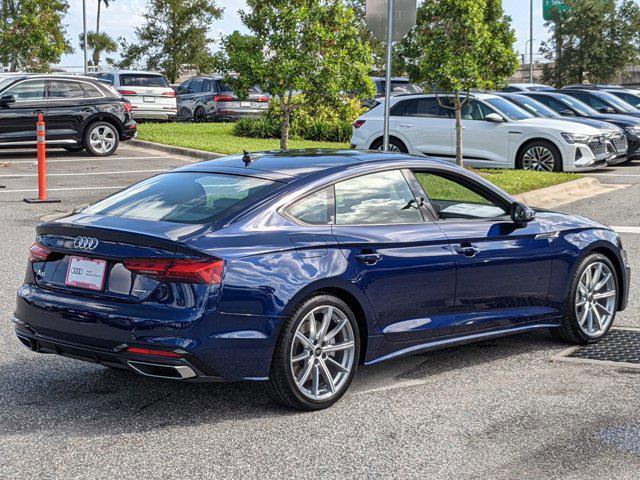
(80, 113)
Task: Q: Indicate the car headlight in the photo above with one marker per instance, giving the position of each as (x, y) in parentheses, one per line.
(576, 137)
(634, 131)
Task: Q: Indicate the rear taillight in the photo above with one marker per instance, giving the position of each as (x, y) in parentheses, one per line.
(178, 270)
(127, 92)
(38, 252)
(127, 106)
(155, 353)
(169, 94)
(223, 98)
(358, 123)
(263, 99)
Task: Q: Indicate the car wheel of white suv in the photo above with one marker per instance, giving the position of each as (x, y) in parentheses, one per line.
(395, 145)
(541, 156)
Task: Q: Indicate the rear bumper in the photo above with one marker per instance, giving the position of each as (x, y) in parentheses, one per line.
(236, 113)
(187, 368)
(216, 345)
(141, 114)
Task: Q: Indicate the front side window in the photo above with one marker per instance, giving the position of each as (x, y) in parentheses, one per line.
(314, 209)
(454, 199)
(196, 85)
(32, 90)
(183, 197)
(379, 198)
(513, 112)
(184, 87)
(474, 110)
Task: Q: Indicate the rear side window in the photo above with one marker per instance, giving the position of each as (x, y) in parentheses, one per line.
(60, 89)
(206, 86)
(379, 198)
(184, 197)
(142, 80)
(314, 209)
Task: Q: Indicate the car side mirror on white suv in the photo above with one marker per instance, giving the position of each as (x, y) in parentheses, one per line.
(494, 117)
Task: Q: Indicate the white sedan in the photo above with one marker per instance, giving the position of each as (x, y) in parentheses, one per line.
(496, 134)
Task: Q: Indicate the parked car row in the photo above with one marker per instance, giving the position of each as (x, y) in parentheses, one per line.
(529, 126)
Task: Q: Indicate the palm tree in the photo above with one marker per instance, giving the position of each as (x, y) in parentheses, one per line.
(106, 5)
(99, 42)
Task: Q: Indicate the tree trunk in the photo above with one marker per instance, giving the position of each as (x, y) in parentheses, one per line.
(286, 121)
(458, 105)
(98, 17)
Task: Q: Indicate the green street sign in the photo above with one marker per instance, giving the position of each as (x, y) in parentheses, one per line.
(548, 7)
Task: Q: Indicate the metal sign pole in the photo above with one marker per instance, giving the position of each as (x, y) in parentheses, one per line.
(84, 27)
(531, 41)
(387, 83)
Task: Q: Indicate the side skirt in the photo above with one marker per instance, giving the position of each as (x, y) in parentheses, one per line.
(462, 340)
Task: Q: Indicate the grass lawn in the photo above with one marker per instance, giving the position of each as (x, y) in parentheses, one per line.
(217, 137)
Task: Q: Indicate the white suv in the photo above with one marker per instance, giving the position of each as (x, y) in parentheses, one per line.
(496, 134)
(151, 96)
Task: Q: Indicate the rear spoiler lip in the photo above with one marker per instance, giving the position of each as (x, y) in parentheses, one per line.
(131, 238)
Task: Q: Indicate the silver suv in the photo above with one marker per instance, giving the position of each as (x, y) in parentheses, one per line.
(150, 94)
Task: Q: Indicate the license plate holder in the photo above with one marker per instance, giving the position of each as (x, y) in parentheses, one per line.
(86, 273)
(149, 99)
(245, 104)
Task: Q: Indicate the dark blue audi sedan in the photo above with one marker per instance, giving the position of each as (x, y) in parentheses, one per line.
(293, 268)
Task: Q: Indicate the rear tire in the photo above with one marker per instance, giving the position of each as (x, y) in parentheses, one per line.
(395, 145)
(591, 307)
(541, 156)
(319, 340)
(199, 116)
(101, 139)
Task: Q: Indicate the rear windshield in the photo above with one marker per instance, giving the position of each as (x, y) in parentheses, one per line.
(183, 197)
(142, 80)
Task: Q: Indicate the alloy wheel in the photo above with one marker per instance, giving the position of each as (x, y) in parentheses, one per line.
(392, 148)
(102, 139)
(538, 158)
(322, 353)
(596, 299)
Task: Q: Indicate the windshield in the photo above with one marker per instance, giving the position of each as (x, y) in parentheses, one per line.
(142, 80)
(577, 105)
(616, 102)
(183, 197)
(507, 108)
(532, 106)
(4, 81)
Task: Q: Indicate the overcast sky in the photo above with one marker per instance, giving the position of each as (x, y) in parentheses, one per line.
(120, 19)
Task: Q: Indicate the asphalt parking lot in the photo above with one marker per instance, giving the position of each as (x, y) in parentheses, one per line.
(500, 409)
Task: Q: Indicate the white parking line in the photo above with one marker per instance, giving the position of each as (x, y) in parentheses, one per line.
(82, 159)
(611, 175)
(28, 190)
(627, 229)
(83, 173)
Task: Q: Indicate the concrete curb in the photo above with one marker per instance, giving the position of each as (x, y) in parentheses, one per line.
(563, 193)
(189, 152)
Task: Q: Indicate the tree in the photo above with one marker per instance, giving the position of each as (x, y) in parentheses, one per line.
(98, 42)
(312, 47)
(174, 36)
(458, 46)
(33, 35)
(592, 40)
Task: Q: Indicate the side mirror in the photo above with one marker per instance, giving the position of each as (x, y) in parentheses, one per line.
(494, 117)
(520, 213)
(567, 113)
(6, 100)
(606, 110)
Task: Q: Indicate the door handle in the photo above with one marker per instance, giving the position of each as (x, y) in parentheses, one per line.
(369, 258)
(406, 125)
(36, 112)
(467, 250)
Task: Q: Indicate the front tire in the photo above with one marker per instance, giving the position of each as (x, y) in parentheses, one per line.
(541, 156)
(592, 303)
(101, 139)
(316, 355)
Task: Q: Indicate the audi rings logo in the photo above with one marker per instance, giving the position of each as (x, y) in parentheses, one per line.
(85, 243)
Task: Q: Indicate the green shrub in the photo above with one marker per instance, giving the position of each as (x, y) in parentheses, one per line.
(321, 122)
